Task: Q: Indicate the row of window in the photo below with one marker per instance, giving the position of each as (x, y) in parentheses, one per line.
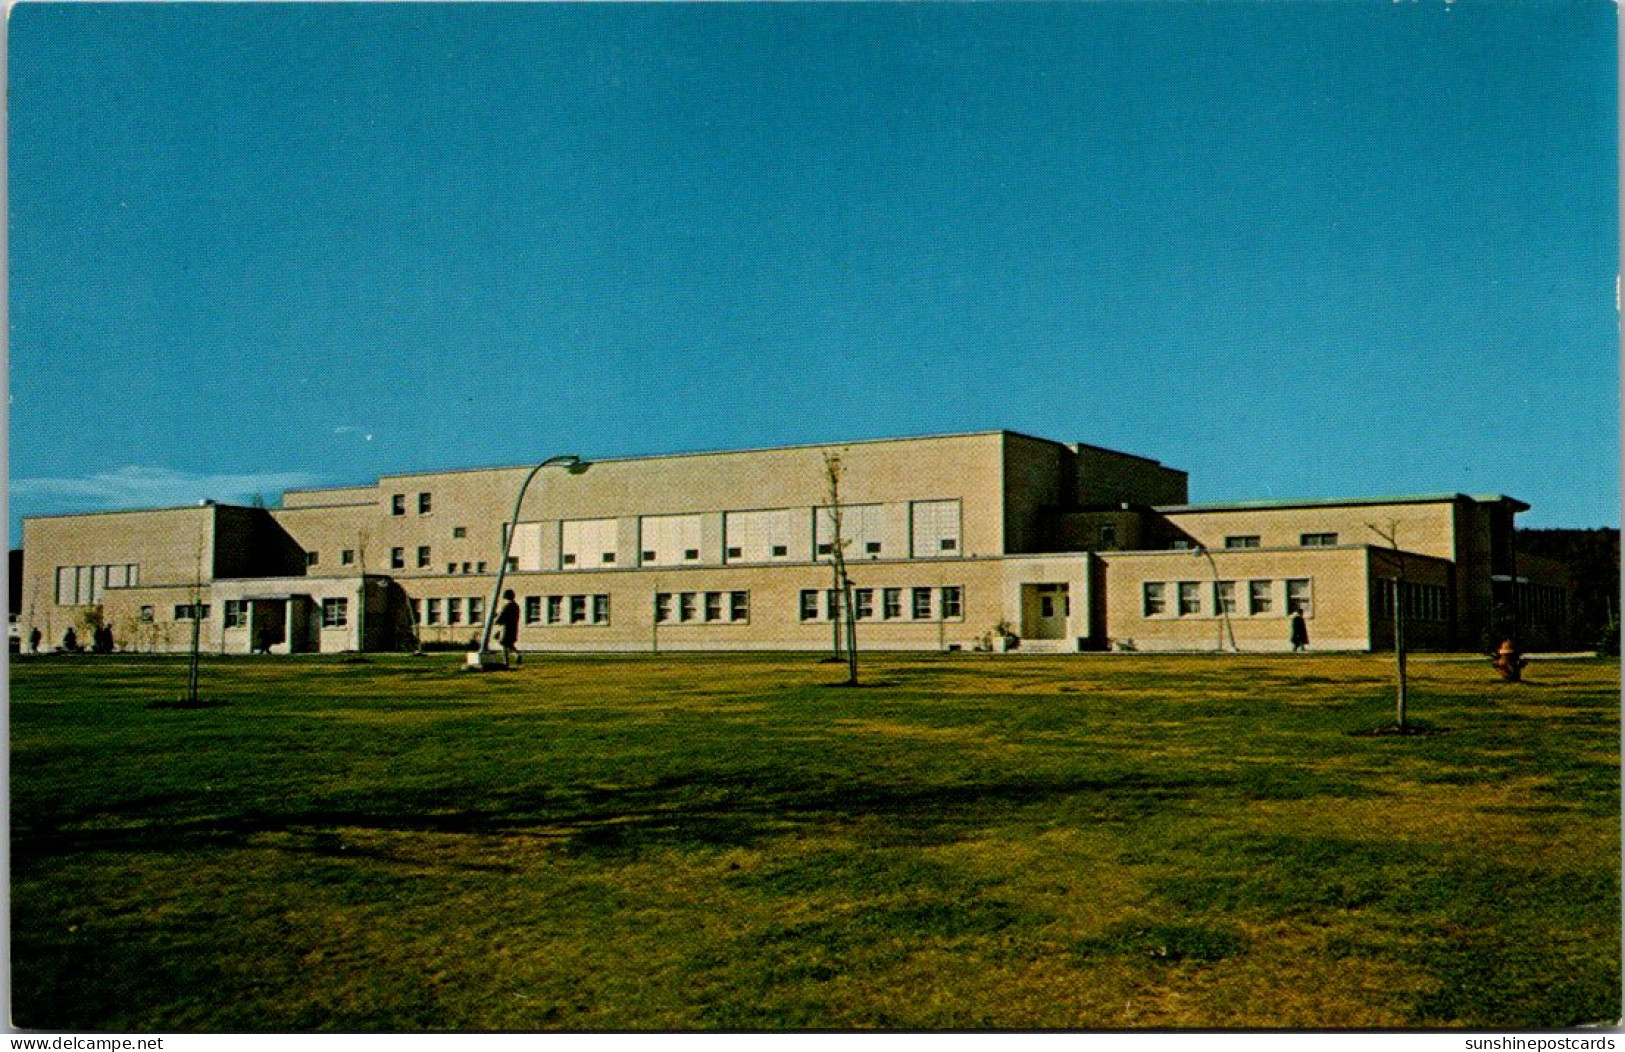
(450, 611)
(747, 536)
(1215, 598)
(1252, 540)
(1542, 604)
(702, 607)
(397, 503)
(923, 604)
(82, 585)
(1423, 602)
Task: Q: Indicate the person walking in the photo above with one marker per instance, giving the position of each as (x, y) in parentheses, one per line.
(34, 638)
(1300, 632)
(508, 629)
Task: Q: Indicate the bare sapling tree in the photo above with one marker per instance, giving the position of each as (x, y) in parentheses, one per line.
(197, 622)
(846, 616)
(1390, 533)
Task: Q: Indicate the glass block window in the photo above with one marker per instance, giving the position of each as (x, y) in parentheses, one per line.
(584, 542)
(667, 540)
(761, 536)
(934, 528)
(860, 527)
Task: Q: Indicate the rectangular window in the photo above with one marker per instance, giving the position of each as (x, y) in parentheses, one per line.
(146, 613)
(451, 567)
(761, 536)
(431, 612)
(1154, 599)
(454, 611)
(578, 609)
(1108, 535)
(236, 613)
(739, 606)
(832, 604)
(669, 539)
(1183, 544)
(584, 542)
(1318, 540)
(662, 607)
(417, 611)
(533, 609)
(425, 503)
(685, 606)
(1297, 597)
(863, 603)
(347, 557)
(953, 602)
(1190, 598)
(860, 527)
(423, 556)
(476, 610)
(1259, 599)
(607, 557)
(713, 606)
(809, 604)
(1249, 540)
(397, 504)
(335, 613)
(312, 558)
(188, 612)
(555, 609)
(600, 609)
(459, 532)
(891, 603)
(1224, 596)
(922, 604)
(397, 558)
(480, 568)
(871, 548)
(513, 563)
(933, 528)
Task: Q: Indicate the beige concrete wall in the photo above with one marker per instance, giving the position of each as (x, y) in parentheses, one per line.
(1340, 593)
(1425, 528)
(1105, 475)
(1037, 481)
(162, 632)
(775, 597)
(168, 546)
(306, 498)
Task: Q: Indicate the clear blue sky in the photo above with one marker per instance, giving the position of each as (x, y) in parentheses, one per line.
(1297, 249)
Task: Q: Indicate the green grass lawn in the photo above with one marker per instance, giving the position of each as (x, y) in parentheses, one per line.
(733, 842)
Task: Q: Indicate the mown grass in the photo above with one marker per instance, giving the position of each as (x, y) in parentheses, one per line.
(734, 843)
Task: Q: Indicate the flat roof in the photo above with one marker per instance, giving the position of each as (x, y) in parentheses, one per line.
(589, 461)
(1341, 502)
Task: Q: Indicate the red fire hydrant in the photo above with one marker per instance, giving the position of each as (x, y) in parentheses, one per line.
(1509, 663)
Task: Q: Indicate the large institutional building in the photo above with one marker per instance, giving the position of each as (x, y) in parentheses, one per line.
(972, 541)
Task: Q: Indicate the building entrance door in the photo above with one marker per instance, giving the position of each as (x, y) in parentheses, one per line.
(267, 624)
(1044, 610)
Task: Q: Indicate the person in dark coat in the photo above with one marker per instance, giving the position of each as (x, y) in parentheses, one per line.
(70, 641)
(34, 638)
(508, 629)
(1300, 632)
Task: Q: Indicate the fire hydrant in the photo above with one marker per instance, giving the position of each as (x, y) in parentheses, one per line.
(1509, 663)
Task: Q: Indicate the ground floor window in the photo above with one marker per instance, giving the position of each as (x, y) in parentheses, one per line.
(925, 604)
(454, 611)
(335, 613)
(236, 613)
(1153, 598)
(953, 603)
(191, 611)
(1190, 598)
(533, 609)
(431, 612)
(1297, 598)
(716, 607)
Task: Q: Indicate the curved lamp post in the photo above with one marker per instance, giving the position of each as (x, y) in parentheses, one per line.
(574, 464)
(1224, 614)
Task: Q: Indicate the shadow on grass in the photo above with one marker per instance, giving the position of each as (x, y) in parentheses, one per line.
(694, 811)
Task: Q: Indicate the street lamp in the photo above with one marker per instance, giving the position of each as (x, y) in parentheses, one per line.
(1224, 612)
(575, 465)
